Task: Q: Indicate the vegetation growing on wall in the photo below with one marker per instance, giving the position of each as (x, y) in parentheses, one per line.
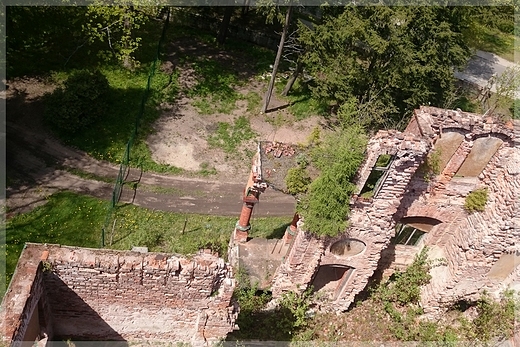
(325, 205)
(279, 323)
(392, 313)
(297, 180)
(476, 200)
(431, 165)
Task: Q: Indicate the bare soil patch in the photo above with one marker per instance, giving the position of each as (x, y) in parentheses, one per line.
(181, 134)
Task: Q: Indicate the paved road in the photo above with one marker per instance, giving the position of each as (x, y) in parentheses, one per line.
(482, 66)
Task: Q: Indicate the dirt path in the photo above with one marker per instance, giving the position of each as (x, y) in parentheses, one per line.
(38, 166)
(38, 158)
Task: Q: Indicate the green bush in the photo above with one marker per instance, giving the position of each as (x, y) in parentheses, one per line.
(80, 102)
(325, 206)
(515, 109)
(297, 180)
(476, 200)
(404, 288)
(495, 318)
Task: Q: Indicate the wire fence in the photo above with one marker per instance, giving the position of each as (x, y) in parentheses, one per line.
(124, 168)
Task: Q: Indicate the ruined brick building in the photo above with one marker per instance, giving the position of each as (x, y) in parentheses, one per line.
(60, 293)
(401, 206)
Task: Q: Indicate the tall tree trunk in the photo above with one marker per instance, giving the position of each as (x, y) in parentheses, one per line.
(127, 61)
(222, 33)
(277, 60)
(292, 79)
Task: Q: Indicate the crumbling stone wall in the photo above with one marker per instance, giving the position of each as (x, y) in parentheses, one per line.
(370, 222)
(25, 312)
(467, 247)
(473, 243)
(117, 295)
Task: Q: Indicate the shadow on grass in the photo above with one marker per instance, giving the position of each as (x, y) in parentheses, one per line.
(66, 218)
(279, 232)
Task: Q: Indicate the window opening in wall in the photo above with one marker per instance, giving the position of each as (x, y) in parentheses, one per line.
(377, 176)
(332, 279)
(407, 235)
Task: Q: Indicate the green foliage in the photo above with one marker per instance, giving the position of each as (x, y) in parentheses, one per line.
(297, 180)
(279, 324)
(325, 206)
(79, 103)
(302, 103)
(107, 139)
(230, 136)
(515, 109)
(400, 296)
(495, 318)
(43, 38)
(431, 165)
(492, 30)
(294, 306)
(476, 200)
(215, 87)
(117, 27)
(253, 102)
(405, 287)
(314, 137)
(395, 58)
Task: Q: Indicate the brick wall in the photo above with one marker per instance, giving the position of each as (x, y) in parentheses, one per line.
(98, 294)
(467, 246)
(371, 222)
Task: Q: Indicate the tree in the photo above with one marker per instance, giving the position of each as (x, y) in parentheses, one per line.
(277, 59)
(325, 206)
(37, 40)
(222, 32)
(117, 26)
(79, 103)
(403, 56)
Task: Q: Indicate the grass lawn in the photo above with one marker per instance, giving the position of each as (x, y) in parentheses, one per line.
(76, 220)
(492, 40)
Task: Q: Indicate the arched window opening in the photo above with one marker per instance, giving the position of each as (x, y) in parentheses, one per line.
(332, 279)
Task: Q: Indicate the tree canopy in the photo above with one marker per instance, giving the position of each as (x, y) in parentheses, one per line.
(401, 56)
(325, 206)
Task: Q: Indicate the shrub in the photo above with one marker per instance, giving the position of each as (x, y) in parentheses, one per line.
(476, 200)
(515, 109)
(404, 288)
(431, 167)
(495, 318)
(297, 180)
(81, 100)
(326, 204)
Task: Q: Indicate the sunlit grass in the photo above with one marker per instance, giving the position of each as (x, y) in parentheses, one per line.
(76, 220)
(493, 40)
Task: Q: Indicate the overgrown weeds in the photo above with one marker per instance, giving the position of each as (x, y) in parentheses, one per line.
(476, 200)
(283, 322)
(394, 311)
